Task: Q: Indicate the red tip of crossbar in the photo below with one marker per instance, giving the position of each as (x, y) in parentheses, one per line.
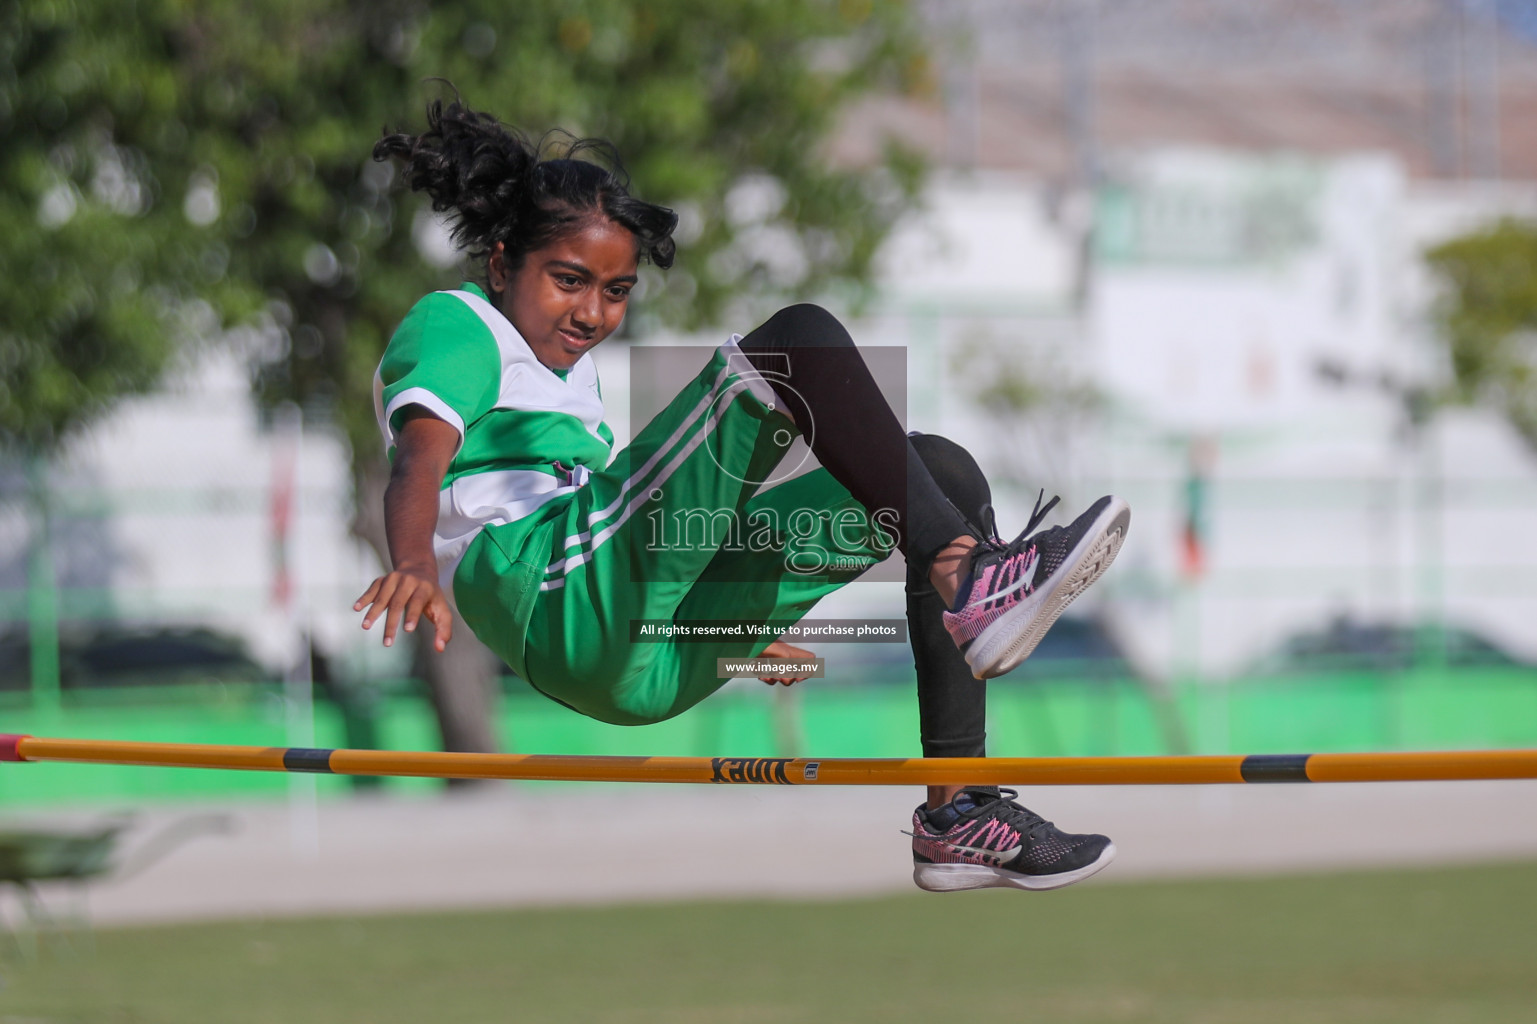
(10, 747)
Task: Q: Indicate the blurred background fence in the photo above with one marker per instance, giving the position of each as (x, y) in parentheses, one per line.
(1254, 636)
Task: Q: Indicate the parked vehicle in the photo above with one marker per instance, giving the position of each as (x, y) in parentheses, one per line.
(1349, 645)
(112, 656)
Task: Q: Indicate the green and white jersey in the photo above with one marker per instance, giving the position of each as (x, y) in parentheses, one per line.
(528, 435)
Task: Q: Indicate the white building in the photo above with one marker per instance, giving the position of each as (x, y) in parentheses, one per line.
(1255, 320)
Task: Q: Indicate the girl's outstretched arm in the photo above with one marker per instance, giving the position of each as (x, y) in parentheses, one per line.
(425, 445)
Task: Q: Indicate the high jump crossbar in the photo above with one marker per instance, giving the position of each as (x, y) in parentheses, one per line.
(1408, 766)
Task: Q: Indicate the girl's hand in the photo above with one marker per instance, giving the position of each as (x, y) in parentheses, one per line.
(780, 649)
(423, 451)
(410, 593)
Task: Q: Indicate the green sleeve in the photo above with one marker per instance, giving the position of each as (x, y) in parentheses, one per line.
(442, 357)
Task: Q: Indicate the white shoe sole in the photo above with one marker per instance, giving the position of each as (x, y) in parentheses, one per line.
(1010, 640)
(956, 877)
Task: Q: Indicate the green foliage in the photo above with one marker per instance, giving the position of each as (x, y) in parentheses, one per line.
(1034, 405)
(102, 269)
(1488, 318)
(213, 159)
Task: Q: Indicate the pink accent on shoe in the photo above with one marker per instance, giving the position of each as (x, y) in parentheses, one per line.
(1001, 586)
(964, 841)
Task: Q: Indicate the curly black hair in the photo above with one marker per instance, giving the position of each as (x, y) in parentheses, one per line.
(498, 186)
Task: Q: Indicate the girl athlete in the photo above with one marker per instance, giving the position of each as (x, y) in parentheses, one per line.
(506, 499)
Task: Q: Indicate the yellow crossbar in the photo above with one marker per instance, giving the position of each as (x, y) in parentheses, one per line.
(796, 771)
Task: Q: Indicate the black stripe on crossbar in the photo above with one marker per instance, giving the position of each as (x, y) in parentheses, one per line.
(1275, 768)
(307, 759)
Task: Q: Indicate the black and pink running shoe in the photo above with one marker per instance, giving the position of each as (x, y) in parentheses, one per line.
(1015, 592)
(984, 839)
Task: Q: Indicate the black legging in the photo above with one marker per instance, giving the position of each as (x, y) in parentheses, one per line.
(952, 704)
(818, 373)
(935, 485)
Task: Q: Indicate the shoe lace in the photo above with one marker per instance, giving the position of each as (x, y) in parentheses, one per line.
(993, 547)
(1037, 514)
(990, 525)
(1018, 817)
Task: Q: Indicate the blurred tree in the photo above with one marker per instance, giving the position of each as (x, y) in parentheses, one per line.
(1037, 406)
(1488, 319)
(108, 261)
(175, 164)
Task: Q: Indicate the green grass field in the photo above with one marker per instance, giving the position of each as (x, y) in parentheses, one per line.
(1446, 945)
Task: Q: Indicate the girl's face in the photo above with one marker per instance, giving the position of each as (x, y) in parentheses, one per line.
(570, 295)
